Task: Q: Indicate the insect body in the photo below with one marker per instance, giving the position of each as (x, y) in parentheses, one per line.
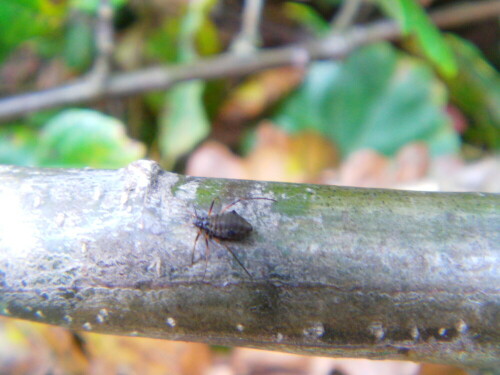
(226, 226)
(229, 226)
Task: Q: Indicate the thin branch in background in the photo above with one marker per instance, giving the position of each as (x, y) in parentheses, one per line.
(249, 37)
(346, 15)
(104, 40)
(230, 65)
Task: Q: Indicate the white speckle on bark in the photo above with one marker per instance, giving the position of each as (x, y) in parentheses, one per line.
(171, 322)
(60, 218)
(461, 326)
(377, 330)
(97, 194)
(124, 198)
(316, 330)
(37, 201)
(102, 316)
(415, 333)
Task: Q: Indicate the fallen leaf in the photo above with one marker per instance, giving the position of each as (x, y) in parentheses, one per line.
(213, 159)
(252, 98)
(412, 163)
(366, 168)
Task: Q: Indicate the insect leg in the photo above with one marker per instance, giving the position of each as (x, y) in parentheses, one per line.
(207, 254)
(194, 246)
(244, 199)
(234, 256)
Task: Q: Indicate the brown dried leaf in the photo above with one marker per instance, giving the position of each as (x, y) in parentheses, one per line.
(433, 369)
(278, 156)
(213, 159)
(34, 348)
(275, 157)
(252, 98)
(366, 168)
(412, 163)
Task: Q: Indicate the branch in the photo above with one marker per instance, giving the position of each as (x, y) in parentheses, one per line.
(336, 271)
(226, 65)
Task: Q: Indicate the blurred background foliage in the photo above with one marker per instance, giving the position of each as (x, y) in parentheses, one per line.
(437, 90)
(388, 115)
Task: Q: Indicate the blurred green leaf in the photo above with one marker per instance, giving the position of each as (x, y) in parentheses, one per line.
(307, 16)
(167, 44)
(79, 49)
(91, 6)
(413, 19)
(22, 20)
(476, 90)
(207, 38)
(184, 122)
(376, 99)
(194, 19)
(80, 138)
(163, 43)
(17, 145)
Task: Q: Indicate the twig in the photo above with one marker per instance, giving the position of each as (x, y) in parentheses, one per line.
(248, 38)
(346, 15)
(336, 271)
(225, 65)
(104, 35)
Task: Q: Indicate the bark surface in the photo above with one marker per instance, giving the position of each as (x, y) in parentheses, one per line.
(337, 271)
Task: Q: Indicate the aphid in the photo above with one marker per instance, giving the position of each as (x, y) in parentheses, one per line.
(224, 225)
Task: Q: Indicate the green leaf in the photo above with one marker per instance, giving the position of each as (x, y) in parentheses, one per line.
(413, 19)
(476, 90)
(163, 43)
(376, 99)
(22, 20)
(79, 48)
(207, 38)
(80, 137)
(184, 122)
(17, 145)
(307, 16)
(91, 6)
(174, 41)
(192, 23)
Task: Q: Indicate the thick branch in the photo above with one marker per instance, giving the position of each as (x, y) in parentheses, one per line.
(336, 271)
(226, 65)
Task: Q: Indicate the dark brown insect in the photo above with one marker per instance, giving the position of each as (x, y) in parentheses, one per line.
(228, 226)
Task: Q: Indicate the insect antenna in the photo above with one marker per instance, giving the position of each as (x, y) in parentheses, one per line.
(212, 205)
(234, 256)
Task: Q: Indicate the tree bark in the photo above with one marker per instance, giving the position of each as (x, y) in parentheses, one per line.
(337, 271)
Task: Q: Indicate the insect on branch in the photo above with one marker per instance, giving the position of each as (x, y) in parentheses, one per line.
(224, 225)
